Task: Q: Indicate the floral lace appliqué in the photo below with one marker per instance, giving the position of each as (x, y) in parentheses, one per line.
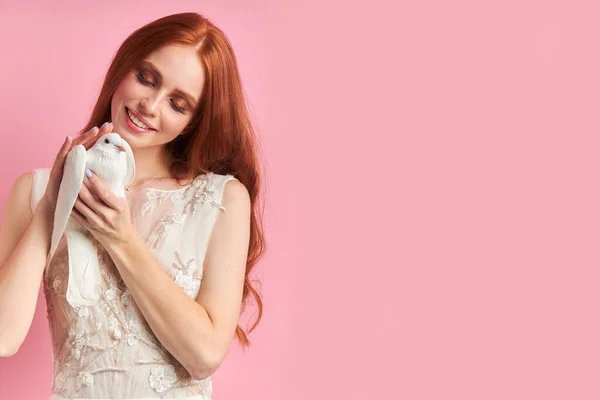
(152, 198)
(162, 378)
(204, 192)
(157, 196)
(170, 219)
(188, 276)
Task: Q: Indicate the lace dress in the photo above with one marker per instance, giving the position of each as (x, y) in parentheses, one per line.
(108, 351)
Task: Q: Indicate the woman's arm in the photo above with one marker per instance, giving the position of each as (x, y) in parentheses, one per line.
(197, 333)
(24, 246)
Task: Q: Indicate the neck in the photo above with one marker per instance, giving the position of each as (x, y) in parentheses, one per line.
(148, 164)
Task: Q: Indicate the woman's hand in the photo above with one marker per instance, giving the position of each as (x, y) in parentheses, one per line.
(104, 214)
(87, 139)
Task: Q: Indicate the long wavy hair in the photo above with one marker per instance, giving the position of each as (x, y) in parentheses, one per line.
(220, 137)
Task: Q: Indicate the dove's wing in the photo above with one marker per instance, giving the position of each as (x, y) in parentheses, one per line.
(70, 185)
(84, 286)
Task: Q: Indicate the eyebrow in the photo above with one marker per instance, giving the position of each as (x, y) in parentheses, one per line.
(189, 98)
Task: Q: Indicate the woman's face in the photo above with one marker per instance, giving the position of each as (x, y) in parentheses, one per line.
(156, 100)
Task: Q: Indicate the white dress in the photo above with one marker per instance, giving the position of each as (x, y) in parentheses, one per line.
(108, 351)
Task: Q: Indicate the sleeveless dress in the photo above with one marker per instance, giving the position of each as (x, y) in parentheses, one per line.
(108, 351)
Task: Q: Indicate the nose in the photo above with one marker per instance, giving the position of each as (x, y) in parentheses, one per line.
(149, 105)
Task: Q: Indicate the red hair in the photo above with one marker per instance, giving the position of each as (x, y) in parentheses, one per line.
(220, 137)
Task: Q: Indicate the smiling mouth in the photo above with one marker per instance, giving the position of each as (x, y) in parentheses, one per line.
(130, 114)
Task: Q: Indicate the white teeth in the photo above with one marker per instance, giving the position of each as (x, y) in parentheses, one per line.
(137, 121)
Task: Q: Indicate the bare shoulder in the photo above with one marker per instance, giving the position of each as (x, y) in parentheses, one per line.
(25, 179)
(235, 192)
(19, 200)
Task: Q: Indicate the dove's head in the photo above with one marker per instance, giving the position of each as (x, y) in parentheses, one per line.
(112, 149)
(111, 143)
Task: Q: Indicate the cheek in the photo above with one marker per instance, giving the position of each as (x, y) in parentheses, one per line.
(171, 124)
(125, 90)
(129, 88)
(117, 97)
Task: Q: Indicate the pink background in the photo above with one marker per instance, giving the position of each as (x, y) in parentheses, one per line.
(433, 210)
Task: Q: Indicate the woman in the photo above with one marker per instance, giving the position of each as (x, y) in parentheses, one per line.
(175, 254)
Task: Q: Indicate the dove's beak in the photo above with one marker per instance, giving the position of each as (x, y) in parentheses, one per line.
(121, 148)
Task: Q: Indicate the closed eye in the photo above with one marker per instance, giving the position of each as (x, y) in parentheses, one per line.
(143, 80)
(146, 82)
(177, 108)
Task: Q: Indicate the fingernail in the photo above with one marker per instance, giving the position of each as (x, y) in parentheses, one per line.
(94, 129)
(66, 138)
(104, 124)
(88, 173)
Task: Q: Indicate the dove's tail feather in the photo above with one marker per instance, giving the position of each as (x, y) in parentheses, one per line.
(85, 280)
(72, 225)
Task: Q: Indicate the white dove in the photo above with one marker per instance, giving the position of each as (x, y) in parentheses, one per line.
(111, 159)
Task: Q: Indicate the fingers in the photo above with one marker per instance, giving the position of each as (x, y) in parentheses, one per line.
(92, 202)
(85, 137)
(89, 138)
(62, 153)
(64, 150)
(102, 192)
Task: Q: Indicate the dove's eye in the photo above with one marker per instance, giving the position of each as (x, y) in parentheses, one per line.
(106, 141)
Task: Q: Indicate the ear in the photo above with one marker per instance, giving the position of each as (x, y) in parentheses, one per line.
(129, 177)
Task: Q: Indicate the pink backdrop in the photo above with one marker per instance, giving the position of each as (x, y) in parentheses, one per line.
(433, 210)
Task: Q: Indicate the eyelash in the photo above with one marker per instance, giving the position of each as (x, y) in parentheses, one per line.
(146, 82)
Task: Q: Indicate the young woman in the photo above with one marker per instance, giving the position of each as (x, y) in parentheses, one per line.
(175, 253)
